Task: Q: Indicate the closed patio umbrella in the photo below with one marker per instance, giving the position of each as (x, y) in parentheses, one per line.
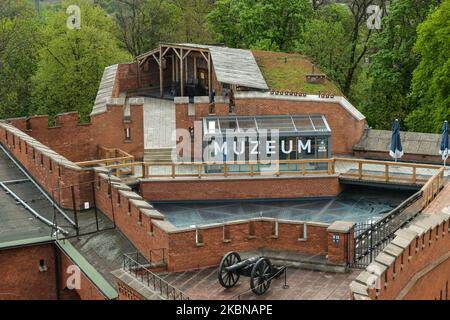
(445, 143)
(396, 150)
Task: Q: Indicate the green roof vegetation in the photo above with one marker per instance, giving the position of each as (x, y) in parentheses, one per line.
(285, 71)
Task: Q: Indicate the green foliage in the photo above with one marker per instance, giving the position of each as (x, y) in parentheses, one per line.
(260, 24)
(326, 41)
(145, 23)
(431, 79)
(19, 36)
(390, 73)
(72, 61)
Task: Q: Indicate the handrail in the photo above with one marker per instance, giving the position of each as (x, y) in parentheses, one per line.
(166, 289)
(327, 166)
(110, 156)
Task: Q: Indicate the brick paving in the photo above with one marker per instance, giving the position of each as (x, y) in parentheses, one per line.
(303, 285)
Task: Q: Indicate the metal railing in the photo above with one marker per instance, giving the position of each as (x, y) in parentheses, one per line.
(371, 238)
(154, 282)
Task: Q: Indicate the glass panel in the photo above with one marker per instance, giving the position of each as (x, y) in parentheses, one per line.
(246, 123)
(282, 124)
(228, 124)
(319, 124)
(303, 124)
(212, 126)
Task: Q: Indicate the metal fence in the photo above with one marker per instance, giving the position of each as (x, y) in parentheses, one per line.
(371, 238)
(132, 265)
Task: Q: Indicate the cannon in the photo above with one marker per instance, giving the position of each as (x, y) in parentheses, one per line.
(259, 269)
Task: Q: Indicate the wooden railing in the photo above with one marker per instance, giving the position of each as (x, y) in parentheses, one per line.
(355, 169)
(228, 169)
(109, 157)
(386, 174)
(432, 188)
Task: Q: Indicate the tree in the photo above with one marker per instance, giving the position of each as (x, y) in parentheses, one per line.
(430, 92)
(393, 62)
(260, 24)
(19, 41)
(192, 25)
(72, 61)
(325, 40)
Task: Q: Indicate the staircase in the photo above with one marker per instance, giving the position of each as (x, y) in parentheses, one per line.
(158, 155)
(144, 282)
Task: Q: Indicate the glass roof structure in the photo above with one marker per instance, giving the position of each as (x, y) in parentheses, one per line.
(296, 125)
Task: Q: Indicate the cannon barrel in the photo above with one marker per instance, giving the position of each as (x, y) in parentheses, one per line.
(242, 264)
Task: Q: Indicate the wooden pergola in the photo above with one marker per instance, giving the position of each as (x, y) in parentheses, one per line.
(179, 63)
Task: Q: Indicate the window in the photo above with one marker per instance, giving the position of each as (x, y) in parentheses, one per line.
(275, 229)
(251, 230)
(50, 165)
(127, 134)
(303, 232)
(226, 233)
(198, 237)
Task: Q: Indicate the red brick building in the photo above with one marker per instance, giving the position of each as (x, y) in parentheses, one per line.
(139, 106)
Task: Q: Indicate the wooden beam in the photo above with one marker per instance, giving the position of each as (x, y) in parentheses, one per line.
(161, 78)
(205, 56)
(176, 69)
(178, 54)
(209, 74)
(173, 68)
(181, 73)
(157, 60)
(195, 67)
(165, 51)
(184, 56)
(138, 73)
(186, 70)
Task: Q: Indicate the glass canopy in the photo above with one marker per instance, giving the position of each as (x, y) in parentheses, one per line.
(287, 125)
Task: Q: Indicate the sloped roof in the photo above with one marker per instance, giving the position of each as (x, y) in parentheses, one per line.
(238, 67)
(233, 66)
(412, 142)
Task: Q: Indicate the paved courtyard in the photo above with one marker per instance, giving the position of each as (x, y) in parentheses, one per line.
(303, 285)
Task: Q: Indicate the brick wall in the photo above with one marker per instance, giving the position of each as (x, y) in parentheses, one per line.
(22, 278)
(109, 129)
(133, 217)
(239, 188)
(415, 265)
(346, 129)
(53, 172)
(20, 275)
(150, 233)
(188, 253)
(87, 291)
(79, 147)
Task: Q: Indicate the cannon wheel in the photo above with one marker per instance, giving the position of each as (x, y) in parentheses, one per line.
(260, 276)
(228, 279)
